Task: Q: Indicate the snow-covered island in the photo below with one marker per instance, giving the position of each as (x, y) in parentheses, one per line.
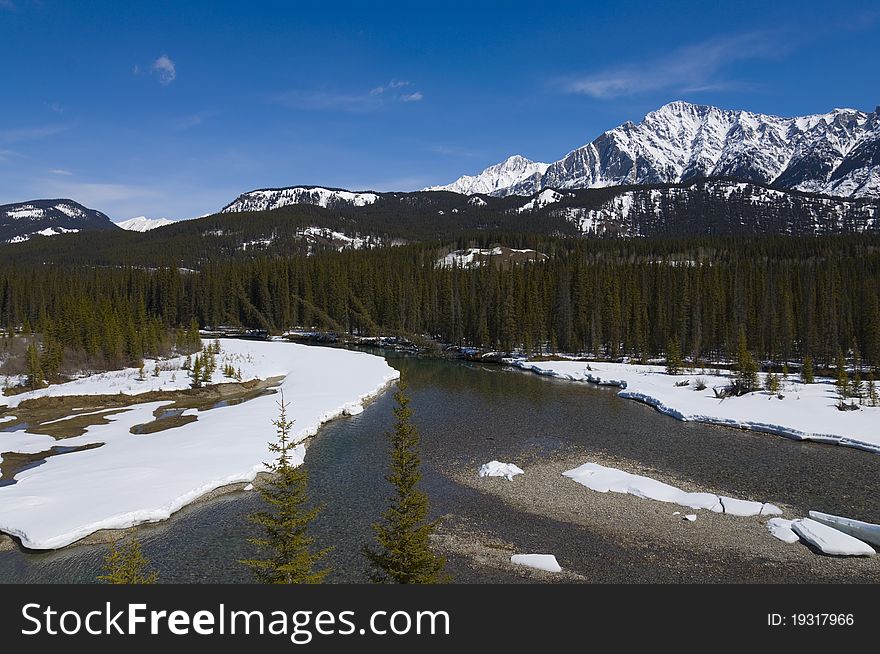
(135, 478)
(805, 412)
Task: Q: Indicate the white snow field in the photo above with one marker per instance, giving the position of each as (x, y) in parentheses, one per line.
(829, 540)
(132, 479)
(807, 412)
(546, 562)
(603, 479)
(499, 469)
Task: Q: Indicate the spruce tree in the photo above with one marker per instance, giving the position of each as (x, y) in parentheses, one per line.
(290, 557)
(126, 564)
(871, 390)
(195, 374)
(842, 377)
(673, 357)
(807, 374)
(34, 367)
(404, 554)
(747, 369)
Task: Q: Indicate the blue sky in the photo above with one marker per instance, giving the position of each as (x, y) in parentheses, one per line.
(174, 108)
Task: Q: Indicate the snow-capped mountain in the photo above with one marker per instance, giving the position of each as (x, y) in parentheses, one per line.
(495, 180)
(268, 199)
(705, 206)
(143, 224)
(23, 221)
(837, 153)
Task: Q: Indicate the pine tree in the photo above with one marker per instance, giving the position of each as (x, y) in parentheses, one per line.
(195, 375)
(842, 377)
(404, 555)
(771, 383)
(673, 357)
(285, 522)
(34, 368)
(126, 564)
(747, 369)
(807, 370)
(871, 391)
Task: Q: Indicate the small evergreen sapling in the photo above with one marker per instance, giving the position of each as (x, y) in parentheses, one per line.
(126, 564)
(403, 536)
(286, 543)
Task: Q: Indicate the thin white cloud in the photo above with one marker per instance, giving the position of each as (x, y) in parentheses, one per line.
(96, 195)
(29, 133)
(7, 4)
(694, 67)
(55, 107)
(390, 86)
(165, 69)
(372, 100)
(60, 171)
(323, 100)
(7, 154)
(453, 151)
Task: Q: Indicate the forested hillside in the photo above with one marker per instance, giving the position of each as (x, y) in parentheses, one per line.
(793, 296)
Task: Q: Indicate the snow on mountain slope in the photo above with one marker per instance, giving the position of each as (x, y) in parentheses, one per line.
(837, 153)
(143, 224)
(495, 179)
(268, 199)
(725, 207)
(23, 221)
(545, 197)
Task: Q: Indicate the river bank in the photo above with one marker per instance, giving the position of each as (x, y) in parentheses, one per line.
(469, 414)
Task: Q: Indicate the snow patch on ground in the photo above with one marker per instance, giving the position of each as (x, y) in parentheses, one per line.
(133, 479)
(546, 562)
(499, 469)
(603, 479)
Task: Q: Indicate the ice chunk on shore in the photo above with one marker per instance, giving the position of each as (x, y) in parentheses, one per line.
(690, 517)
(781, 529)
(865, 531)
(829, 540)
(546, 562)
(499, 469)
(603, 479)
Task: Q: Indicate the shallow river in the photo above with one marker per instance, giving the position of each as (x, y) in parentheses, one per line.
(469, 414)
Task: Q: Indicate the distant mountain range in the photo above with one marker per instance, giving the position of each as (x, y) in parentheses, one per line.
(143, 224)
(684, 170)
(837, 153)
(26, 220)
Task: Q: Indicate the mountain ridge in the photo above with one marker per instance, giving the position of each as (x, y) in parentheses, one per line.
(22, 221)
(836, 153)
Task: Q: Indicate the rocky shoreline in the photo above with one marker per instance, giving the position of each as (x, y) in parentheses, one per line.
(649, 532)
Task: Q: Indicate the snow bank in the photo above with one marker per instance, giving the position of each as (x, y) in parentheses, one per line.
(133, 479)
(546, 562)
(807, 412)
(829, 540)
(782, 530)
(603, 479)
(499, 469)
